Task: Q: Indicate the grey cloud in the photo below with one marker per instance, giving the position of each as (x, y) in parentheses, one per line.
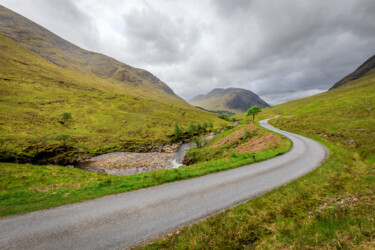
(157, 38)
(281, 50)
(61, 17)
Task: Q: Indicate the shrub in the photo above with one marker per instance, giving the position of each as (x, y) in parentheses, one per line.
(177, 132)
(198, 142)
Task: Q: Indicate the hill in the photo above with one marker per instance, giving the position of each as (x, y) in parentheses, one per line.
(234, 100)
(366, 68)
(331, 207)
(113, 106)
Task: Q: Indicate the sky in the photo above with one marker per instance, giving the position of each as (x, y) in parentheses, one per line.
(279, 49)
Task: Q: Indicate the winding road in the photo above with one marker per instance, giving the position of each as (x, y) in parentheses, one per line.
(127, 219)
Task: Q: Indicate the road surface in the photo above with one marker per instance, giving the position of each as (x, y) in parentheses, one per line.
(127, 219)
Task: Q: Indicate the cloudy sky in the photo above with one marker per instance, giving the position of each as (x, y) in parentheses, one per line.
(279, 49)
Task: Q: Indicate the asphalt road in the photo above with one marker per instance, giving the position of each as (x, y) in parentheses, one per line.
(127, 219)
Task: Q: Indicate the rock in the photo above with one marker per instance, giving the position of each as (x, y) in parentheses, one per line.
(171, 148)
(157, 148)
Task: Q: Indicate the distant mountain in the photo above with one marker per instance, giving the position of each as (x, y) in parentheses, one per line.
(234, 100)
(363, 70)
(113, 106)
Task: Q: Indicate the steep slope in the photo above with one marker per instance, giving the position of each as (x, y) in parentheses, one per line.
(366, 68)
(114, 106)
(234, 100)
(70, 57)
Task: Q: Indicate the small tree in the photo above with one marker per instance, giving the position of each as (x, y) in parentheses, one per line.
(199, 127)
(66, 117)
(253, 111)
(204, 126)
(210, 125)
(198, 142)
(191, 129)
(177, 132)
(64, 138)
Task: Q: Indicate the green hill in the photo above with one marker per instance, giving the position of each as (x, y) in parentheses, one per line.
(113, 105)
(234, 100)
(329, 208)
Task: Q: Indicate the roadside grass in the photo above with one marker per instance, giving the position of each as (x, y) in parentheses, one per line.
(26, 188)
(331, 207)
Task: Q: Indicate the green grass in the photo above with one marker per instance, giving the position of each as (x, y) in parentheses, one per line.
(34, 93)
(26, 188)
(331, 207)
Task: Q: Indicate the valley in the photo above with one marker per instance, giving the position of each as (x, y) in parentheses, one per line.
(95, 153)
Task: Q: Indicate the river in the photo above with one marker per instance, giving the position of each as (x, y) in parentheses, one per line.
(129, 163)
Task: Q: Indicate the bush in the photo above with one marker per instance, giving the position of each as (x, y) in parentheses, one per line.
(198, 142)
(66, 117)
(177, 132)
(248, 134)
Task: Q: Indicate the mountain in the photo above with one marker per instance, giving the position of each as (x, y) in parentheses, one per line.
(234, 100)
(363, 70)
(113, 106)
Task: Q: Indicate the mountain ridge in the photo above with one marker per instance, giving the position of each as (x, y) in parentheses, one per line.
(70, 56)
(364, 69)
(236, 100)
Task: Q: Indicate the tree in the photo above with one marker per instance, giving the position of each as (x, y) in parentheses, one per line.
(204, 126)
(198, 142)
(210, 125)
(177, 132)
(199, 127)
(254, 110)
(191, 129)
(66, 117)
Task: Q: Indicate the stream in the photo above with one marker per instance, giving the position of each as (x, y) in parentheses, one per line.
(129, 163)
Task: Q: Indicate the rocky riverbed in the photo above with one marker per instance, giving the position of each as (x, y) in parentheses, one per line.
(129, 163)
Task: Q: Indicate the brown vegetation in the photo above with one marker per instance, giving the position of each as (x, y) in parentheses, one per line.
(255, 145)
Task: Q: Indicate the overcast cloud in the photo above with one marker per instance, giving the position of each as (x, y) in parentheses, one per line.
(280, 49)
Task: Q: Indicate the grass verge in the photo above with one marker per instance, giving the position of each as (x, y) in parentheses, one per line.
(331, 207)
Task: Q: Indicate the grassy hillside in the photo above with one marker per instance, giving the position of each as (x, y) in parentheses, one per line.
(113, 106)
(331, 207)
(26, 188)
(234, 100)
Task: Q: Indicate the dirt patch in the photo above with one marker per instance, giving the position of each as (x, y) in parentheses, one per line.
(234, 136)
(256, 145)
(47, 188)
